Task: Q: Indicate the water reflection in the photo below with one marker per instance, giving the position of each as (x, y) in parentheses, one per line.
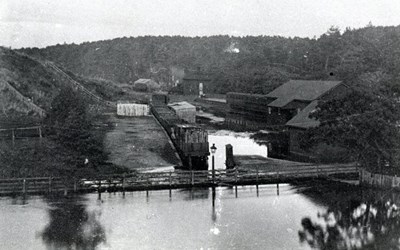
(367, 220)
(195, 193)
(241, 142)
(71, 226)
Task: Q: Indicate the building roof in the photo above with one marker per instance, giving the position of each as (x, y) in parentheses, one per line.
(302, 119)
(182, 105)
(303, 90)
(142, 80)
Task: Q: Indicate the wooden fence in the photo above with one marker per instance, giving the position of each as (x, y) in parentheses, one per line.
(17, 133)
(379, 180)
(167, 180)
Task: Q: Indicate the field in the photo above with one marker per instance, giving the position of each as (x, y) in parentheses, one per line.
(139, 143)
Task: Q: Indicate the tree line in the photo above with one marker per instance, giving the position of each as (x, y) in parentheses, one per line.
(246, 64)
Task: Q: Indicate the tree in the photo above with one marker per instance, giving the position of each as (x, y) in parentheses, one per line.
(370, 224)
(69, 124)
(365, 122)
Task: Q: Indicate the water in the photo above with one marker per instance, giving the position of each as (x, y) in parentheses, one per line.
(275, 219)
(241, 142)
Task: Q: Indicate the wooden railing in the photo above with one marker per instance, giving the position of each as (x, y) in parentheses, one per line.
(25, 132)
(168, 180)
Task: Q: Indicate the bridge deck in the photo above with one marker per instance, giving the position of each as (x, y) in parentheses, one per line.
(168, 180)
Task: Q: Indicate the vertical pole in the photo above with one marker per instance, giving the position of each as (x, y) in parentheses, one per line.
(65, 190)
(40, 132)
(75, 186)
(213, 170)
(123, 185)
(13, 137)
(24, 186)
(236, 178)
(213, 197)
(257, 180)
(99, 188)
(147, 187)
(277, 189)
(49, 185)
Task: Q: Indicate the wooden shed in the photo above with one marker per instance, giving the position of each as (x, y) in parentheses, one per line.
(185, 111)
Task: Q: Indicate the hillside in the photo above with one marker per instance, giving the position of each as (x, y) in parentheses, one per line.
(28, 86)
(248, 64)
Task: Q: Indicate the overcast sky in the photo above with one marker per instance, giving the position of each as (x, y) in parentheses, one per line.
(39, 23)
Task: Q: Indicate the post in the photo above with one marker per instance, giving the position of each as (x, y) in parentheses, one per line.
(75, 186)
(277, 189)
(40, 132)
(147, 187)
(65, 190)
(49, 185)
(13, 137)
(24, 186)
(192, 182)
(257, 180)
(123, 184)
(257, 176)
(229, 162)
(213, 150)
(213, 170)
(99, 189)
(236, 179)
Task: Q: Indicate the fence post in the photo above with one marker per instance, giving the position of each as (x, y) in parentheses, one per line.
(257, 181)
(192, 178)
(24, 186)
(257, 176)
(75, 186)
(13, 137)
(236, 175)
(123, 183)
(236, 178)
(49, 184)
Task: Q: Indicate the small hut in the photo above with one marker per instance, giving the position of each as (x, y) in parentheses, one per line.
(184, 111)
(146, 85)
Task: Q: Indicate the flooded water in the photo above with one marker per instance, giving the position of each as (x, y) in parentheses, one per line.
(286, 218)
(241, 142)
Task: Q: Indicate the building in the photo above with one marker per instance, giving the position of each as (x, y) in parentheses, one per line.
(286, 108)
(185, 111)
(195, 82)
(284, 102)
(146, 85)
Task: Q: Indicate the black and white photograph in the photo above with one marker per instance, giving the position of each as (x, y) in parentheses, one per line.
(199, 125)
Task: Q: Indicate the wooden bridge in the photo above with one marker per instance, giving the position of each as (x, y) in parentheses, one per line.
(170, 180)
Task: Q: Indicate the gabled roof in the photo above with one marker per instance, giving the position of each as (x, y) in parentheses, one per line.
(301, 120)
(182, 105)
(142, 80)
(302, 90)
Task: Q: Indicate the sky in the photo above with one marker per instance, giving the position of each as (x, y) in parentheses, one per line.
(40, 23)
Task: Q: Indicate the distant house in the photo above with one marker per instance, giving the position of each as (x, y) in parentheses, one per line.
(146, 85)
(195, 82)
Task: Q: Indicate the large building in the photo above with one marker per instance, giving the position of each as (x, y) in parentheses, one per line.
(195, 82)
(287, 107)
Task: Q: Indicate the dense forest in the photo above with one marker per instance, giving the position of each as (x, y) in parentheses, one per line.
(247, 64)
